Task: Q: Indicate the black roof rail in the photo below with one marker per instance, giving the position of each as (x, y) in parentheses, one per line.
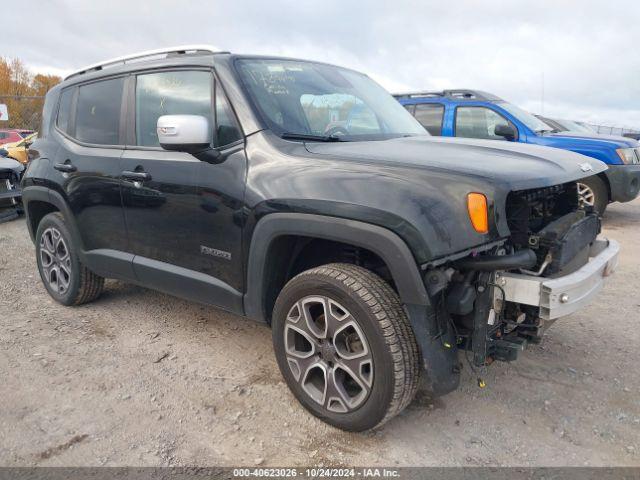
(148, 54)
(418, 94)
(467, 94)
(458, 94)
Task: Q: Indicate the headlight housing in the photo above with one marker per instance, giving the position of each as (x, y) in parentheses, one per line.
(629, 156)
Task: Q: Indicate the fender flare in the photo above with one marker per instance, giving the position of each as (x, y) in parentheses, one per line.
(47, 195)
(381, 241)
(441, 373)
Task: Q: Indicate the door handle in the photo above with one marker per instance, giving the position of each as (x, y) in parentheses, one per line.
(136, 176)
(65, 167)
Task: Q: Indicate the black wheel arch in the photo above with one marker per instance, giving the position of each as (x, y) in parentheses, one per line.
(384, 243)
(38, 196)
(439, 361)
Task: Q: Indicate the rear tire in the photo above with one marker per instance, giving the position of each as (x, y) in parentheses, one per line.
(345, 347)
(592, 191)
(66, 279)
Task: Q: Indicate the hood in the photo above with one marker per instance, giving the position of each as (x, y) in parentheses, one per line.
(11, 164)
(516, 166)
(614, 141)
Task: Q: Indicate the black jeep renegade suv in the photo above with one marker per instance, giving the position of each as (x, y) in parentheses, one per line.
(302, 194)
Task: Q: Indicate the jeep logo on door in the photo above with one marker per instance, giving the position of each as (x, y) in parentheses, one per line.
(214, 252)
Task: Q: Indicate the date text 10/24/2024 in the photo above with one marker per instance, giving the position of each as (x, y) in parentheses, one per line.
(317, 472)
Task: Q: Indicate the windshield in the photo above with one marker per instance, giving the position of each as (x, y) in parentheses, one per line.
(527, 118)
(317, 100)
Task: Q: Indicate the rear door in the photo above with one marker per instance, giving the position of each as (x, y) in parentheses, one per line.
(430, 116)
(181, 213)
(87, 164)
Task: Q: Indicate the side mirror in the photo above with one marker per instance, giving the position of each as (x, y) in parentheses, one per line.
(505, 130)
(184, 133)
(3, 153)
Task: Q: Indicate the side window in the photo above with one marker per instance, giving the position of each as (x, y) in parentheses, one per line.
(227, 130)
(170, 93)
(478, 122)
(3, 135)
(430, 116)
(64, 110)
(98, 112)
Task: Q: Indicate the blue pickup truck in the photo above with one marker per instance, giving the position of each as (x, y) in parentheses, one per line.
(476, 114)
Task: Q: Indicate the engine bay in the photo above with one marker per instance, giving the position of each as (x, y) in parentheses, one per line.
(552, 235)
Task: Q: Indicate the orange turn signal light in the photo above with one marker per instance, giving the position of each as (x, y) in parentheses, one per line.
(478, 213)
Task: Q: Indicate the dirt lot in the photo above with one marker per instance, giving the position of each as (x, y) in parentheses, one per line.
(141, 378)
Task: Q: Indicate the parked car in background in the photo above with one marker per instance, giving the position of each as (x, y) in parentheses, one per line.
(302, 194)
(10, 194)
(566, 125)
(578, 129)
(477, 114)
(19, 150)
(11, 135)
(586, 125)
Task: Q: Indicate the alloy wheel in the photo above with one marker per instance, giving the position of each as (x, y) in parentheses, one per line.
(586, 196)
(55, 259)
(328, 354)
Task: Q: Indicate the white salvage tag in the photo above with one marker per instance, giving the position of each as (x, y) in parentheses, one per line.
(492, 317)
(4, 113)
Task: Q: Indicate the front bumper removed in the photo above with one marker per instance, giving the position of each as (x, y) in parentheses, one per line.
(562, 295)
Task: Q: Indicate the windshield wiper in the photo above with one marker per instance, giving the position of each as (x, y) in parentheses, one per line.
(311, 138)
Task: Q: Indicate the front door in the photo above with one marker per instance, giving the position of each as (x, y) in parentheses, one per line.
(180, 211)
(479, 122)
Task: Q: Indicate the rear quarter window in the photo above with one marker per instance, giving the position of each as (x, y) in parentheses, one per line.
(64, 110)
(98, 112)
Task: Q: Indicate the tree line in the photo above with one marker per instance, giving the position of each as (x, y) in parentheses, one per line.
(23, 93)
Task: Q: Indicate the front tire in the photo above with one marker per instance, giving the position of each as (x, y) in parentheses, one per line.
(345, 347)
(66, 279)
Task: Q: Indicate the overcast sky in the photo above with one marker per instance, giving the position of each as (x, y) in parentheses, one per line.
(585, 53)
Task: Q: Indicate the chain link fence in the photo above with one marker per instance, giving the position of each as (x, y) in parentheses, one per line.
(609, 130)
(23, 112)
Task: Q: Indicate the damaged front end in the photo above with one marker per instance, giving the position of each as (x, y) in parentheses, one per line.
(552, 264)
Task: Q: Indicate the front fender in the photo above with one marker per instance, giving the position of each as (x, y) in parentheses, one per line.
(384, 243)
(439, 362)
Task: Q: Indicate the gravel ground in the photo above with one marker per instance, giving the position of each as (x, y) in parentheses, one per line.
(141, 378)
